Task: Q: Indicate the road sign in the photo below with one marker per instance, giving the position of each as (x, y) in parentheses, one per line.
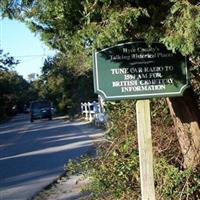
(135, 70)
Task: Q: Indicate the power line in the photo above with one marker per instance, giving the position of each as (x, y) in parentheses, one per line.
(23, 56)
(1, 33)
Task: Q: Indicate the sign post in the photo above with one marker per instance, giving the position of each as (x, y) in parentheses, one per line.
(145, 149)
(135, 70)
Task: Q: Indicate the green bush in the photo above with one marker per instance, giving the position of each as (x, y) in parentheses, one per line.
(115, 171)
(173, 183)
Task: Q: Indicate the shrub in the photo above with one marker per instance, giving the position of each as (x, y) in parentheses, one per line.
(115, 171)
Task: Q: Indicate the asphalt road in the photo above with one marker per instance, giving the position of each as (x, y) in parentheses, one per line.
(32, 155)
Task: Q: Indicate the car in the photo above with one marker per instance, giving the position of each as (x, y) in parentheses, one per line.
(40, 109)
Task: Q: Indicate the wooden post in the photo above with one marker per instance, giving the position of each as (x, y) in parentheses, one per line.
(145, 149)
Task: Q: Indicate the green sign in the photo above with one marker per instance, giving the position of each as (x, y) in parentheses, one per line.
(135, 70)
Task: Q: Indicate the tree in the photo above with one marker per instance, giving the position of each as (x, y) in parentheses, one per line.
(15, 91)
(65, 86)
(7, 62)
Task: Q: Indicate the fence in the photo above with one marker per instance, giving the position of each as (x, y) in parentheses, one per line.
(93, 112)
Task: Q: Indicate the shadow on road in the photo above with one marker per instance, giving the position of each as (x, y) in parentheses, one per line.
(33, 155)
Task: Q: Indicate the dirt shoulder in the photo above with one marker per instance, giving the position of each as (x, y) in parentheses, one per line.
(65, 189)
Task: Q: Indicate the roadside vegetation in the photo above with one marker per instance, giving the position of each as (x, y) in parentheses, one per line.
(114, 172)
(75, 29)
(13, 88)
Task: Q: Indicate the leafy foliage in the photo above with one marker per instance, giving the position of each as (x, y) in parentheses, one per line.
(15, 91)
(114, 172)
(172, 183)
(182, 27)
(7, 62)
(65, 86)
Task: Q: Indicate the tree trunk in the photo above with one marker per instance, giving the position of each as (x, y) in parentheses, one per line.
(186, 117)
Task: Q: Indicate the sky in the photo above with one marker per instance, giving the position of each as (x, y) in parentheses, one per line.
(17, 40)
